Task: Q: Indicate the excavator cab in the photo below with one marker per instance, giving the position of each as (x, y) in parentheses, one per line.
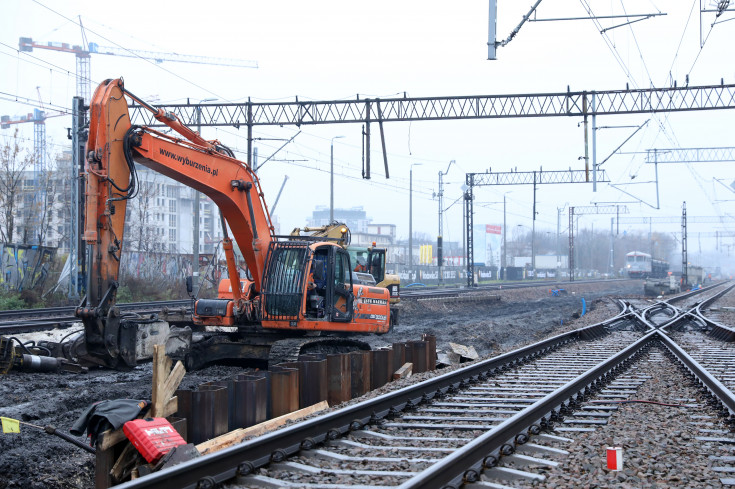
(306, 280)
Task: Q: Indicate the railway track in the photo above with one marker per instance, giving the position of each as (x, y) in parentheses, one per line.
(486, 424)
(448, 292)
(30, 320)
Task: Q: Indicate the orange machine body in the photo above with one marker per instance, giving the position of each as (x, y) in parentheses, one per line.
(280, 292)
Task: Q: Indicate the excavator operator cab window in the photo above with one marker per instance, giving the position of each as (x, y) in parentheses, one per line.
(360, 259)
(284, 282)
(317, 286)
(329, 290)
(377, 265)
(341, 285)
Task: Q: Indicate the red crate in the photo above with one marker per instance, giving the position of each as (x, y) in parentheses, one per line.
(153, 437)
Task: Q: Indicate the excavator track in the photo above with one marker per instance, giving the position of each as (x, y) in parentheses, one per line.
(288, 350)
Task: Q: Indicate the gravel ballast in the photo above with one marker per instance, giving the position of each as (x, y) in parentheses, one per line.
(660, 446)
(35, 459)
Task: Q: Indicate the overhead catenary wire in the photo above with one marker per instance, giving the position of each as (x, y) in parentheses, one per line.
(184, 79)
(22, 57)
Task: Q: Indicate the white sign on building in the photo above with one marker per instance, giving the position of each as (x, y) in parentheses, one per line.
(488, 239)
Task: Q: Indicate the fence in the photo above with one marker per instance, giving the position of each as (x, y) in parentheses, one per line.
(24, 267)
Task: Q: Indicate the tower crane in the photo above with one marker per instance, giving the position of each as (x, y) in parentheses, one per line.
(82, 53)
(84, 91)
(38, 118)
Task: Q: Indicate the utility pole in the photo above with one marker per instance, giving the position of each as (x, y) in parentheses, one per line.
(470, 246)
(612, 247)
(197, 200)
(77, 250)
(594, 143)
(533, 229)
(505, 249)
(331, 179)
(195, 247)
(410, 214)
(558, 232)
(440, 236)
(684, 258)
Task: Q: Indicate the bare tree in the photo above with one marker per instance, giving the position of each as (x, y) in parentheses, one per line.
(15, 161)
(141, 217)
(47, 192)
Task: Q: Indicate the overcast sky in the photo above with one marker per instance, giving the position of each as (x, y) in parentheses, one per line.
(328, 50)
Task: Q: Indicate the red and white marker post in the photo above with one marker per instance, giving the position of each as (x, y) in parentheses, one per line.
(615, 458)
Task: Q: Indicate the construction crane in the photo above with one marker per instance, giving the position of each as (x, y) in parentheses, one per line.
(84, 92)
(38, 118)
(82, 53)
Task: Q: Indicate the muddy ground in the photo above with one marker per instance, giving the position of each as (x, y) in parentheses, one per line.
(493, 322)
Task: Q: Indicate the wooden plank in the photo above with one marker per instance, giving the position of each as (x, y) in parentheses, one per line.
(109, 439)
(165, 383)
(236, 436)
(170, 408)
(173, 381)
(160, 361)
(104, 460)
(126, 458)
(163, 404)
(404, 371)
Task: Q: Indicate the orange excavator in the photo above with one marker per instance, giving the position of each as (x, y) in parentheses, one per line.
(295, 292)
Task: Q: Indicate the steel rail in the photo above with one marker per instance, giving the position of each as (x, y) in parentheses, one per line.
(453, 471)
(484, 451)
(32, 326)
(717, 388)
(678, 313)
(715, 329)
(42, 319)
(436, 292)
(247, 457)
(694, 312)
(47, 318)
(69, 310)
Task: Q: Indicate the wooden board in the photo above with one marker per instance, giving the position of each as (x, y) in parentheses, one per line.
(234, 437)
(404, 371)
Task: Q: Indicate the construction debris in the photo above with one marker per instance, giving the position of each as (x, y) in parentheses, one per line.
(465, 353)
(403, 372)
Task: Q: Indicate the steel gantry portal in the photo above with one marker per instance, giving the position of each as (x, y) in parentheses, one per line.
(690, 155)
(513, 178)
(365, 111)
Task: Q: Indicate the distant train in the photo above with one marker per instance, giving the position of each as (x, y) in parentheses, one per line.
(641, 265)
